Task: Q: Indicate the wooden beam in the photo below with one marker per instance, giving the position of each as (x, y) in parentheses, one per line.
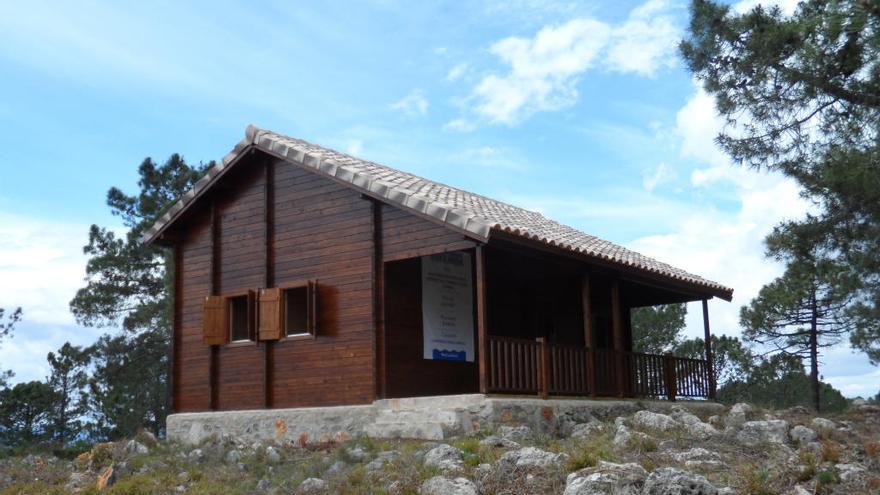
(617, 335)
(215, 290)
(268, 272)
(174, 367)
(482, 347)
(631, 273)
(587, 310)
(380, 347)
(708, 337)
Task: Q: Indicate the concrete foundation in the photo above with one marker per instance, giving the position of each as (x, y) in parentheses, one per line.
(428, 418)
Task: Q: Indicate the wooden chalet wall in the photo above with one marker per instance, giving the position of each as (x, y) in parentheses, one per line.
(277, 223)
(406, 237)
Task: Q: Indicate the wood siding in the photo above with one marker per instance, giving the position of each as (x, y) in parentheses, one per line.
(320, 230)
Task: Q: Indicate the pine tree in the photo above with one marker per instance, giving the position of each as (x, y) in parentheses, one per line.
(801, 96)
(24, 413)
(129, 284)
(6, 329)
(805, 309)
(68, 380)
(657, 329)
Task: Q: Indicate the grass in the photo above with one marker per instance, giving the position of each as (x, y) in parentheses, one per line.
(588, 452)
(756, 480)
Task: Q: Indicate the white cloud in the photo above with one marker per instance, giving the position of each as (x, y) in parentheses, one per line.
(660, 175)
(413, 104)
(489, 157)
(543, 71)
(697, 125)
(461, 124)
(354, 147)
(456, 72)
(786, 6)
(646, 42)
(41, 266)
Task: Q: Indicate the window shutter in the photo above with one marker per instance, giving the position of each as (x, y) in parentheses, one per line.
(313, 307)
(270, 314)
(252, 314)
(214, 321)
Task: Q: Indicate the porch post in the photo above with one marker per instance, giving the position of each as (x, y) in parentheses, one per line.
(587, 308)
(482, 348)
(617, 335)
(710, 368)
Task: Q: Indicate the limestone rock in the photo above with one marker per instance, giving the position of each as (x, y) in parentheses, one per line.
(700, 430)
(530, 457)
(494, 441)
(738, 414)
(272, 455)
(357, 454)
(196, 455)
(445, 457)
(802, 435)
(697, 456)
(515, 433)
(312, 485)
(757, 432)
(849, 472)
(671, 481)
(442, 485)
(586, 430)
(606, 477)
(654, 421)
(822, 424)
(233, 457)
(263, 485)
(135, 447)
(623, 436)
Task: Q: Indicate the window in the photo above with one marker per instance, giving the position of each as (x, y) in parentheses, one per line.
(239, 318)
(296, 311)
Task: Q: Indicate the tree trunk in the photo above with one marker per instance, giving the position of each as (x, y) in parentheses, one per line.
(814, 352)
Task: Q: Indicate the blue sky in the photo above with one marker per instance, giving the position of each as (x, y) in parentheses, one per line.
(583, 111)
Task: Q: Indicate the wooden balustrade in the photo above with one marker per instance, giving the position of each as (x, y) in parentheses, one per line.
(523, 366)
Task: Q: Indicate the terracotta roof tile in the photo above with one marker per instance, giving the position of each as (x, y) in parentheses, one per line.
(476, 214)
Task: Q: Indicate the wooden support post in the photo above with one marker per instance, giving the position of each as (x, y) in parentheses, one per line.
(380, 343)
(215, 290)
(268, 273)
(587, 309)
(544, 369)
(671, 376)
(617, 336)
(482, 347)
(173, 365)
(710, 368)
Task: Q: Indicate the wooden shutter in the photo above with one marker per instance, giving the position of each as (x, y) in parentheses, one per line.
(270, 314)
(313, 307)
(214, 321)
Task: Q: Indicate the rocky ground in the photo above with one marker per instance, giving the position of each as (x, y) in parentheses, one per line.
(744, 450)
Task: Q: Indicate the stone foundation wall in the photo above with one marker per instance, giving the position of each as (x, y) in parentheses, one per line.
(428, 418)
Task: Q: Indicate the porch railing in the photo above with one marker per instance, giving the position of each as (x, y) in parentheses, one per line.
(523, 366)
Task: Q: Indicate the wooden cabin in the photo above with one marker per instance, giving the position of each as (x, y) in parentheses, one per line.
(307, 277)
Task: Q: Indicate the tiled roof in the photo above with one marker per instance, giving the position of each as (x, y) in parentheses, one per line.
(477, 215)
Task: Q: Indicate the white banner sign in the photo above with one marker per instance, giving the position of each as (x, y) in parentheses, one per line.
(448, 307)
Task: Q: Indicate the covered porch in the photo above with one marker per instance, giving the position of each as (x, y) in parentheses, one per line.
(551, 325)
(546, 324)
